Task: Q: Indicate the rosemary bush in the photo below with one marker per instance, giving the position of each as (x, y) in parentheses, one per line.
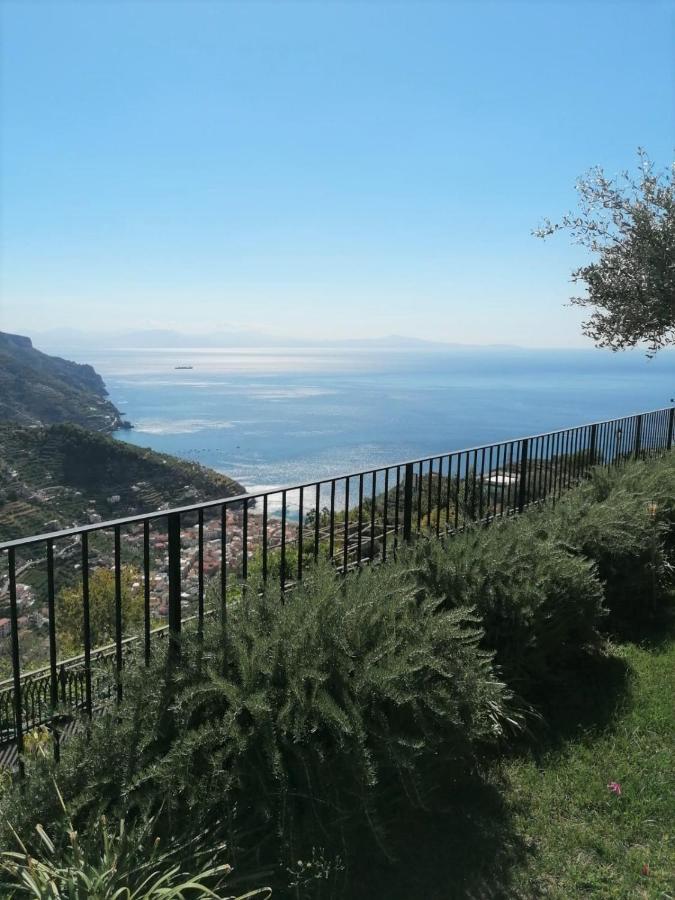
(540, 606)
(623, 519)
(287, 725)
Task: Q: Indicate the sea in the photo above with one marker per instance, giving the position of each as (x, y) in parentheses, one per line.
(270, 417)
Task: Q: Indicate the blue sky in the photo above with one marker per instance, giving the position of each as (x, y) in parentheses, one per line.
(324, 169)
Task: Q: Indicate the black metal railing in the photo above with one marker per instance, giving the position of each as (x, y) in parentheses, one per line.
(183, 564)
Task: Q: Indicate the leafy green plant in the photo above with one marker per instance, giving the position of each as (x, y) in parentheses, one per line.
(539, 605)
(297, 721)
(117, 862)
(621, 520)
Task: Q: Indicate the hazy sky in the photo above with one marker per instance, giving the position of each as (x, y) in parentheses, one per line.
(321, 168)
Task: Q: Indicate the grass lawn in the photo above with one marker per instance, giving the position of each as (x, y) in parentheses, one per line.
(542, 823)
(587, 840)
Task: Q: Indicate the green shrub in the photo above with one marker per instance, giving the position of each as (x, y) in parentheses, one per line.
(540, 606)
(295, 724)
(114, 861)
(621, 519)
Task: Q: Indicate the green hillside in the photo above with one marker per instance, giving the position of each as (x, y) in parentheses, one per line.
(63, 475)
(37, 389)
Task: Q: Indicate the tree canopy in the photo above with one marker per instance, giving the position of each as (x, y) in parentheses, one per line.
(628, 225)
(69, 615)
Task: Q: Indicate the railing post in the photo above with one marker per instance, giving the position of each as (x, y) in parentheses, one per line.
(594, 439)
(670, 427)
(522, 475)
(16, 659)
(407, 502)
(174, 584)
(638, 436)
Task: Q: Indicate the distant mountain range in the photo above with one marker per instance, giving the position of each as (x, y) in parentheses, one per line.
(165, 338)
(37, 389)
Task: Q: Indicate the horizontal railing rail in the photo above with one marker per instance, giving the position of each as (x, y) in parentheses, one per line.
(141, 577)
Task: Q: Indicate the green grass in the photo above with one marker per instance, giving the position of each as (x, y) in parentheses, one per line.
(541, 822)
(587, 841)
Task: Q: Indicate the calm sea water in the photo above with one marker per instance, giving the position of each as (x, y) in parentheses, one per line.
(273, 417)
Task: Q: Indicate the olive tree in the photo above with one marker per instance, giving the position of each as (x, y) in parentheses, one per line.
(628, 225)
(102, 611)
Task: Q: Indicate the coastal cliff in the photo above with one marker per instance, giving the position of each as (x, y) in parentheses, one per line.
(37, 389)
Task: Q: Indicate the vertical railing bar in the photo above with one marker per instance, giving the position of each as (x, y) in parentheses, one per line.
(523, 485)
(511, 483)
(360, 522)
(223, 569)
(561, 466)
(118, 611)
(86, 623)
(301, 536)
(345, 549)
(429, 489)
(385, 514)
(16, 658)
(372, 517)
(331, 537)
(499, 487)
(146, 592)
(535, 468)
(419, 497)
(473, 485)
(175, 596)
(532, 478)
(200, 572)
(317, 520)
(264, 539)
(466, 488)
(284, 500)
(448, 490)
(244, 542)
(457, 489)
(574, 462)
(407, 502)
(439, 496)
(546, 463)
(482, 484)
(607, 449)
(495, 488)
(397, 504)
(53, 682)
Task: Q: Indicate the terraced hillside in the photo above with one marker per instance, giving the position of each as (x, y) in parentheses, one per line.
(64, 475)
(37, 389)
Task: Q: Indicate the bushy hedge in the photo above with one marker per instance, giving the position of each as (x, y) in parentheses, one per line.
(540, 606)
(623, 520)
(293, 724)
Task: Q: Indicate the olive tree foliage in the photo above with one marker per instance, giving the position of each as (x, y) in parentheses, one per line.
(628, 225)
(102, 609)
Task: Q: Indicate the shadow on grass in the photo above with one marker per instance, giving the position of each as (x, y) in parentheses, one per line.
(650, 631)
(585, 699)
(466, 848)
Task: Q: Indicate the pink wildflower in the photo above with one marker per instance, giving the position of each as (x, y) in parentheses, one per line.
(615, 788)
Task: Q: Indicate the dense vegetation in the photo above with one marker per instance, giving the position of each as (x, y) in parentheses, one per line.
(59, 476)
(336, 726)
(37, 389)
